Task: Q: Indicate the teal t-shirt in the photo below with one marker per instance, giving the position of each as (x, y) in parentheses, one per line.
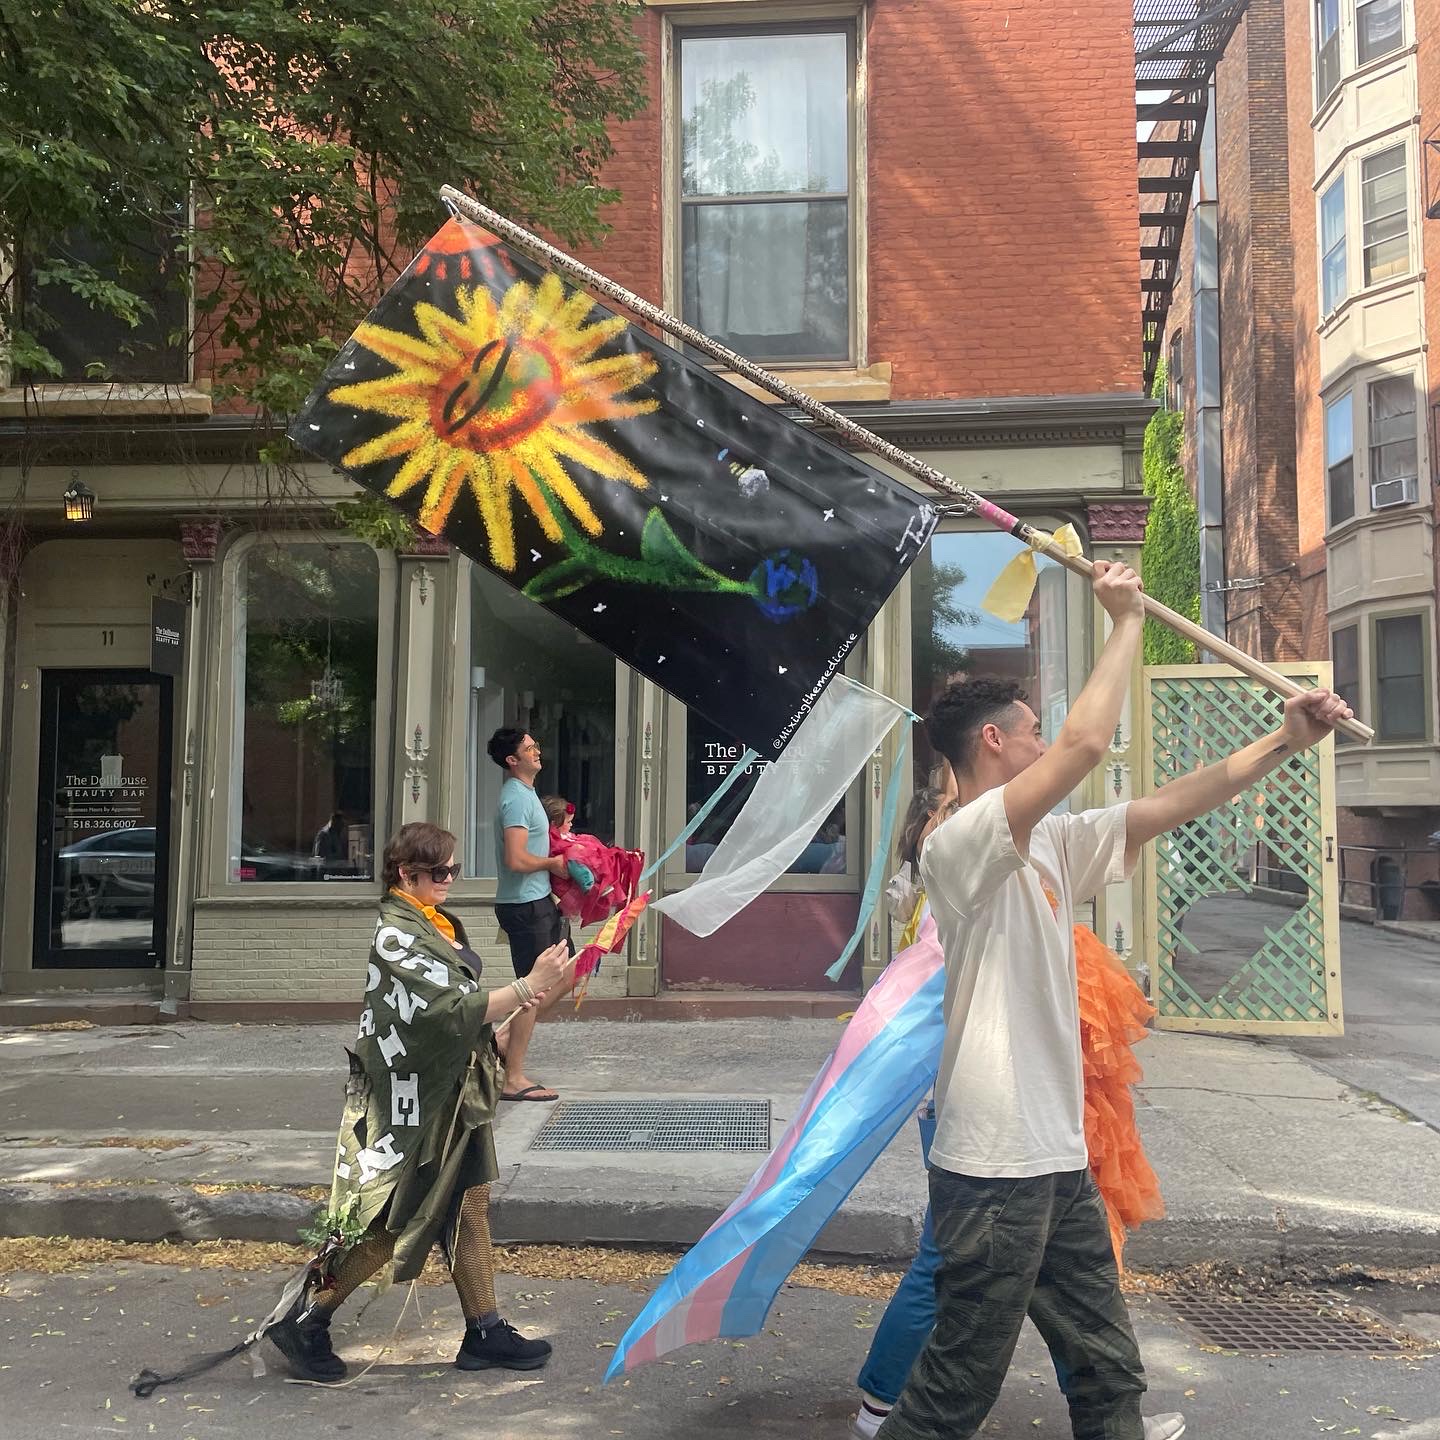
(520, 805)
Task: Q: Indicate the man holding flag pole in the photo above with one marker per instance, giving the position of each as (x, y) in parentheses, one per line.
(1019, 1224)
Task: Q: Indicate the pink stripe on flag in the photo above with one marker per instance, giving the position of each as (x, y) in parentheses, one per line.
(903, 978)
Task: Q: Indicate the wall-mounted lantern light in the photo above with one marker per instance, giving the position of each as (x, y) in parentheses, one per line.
(79, 501)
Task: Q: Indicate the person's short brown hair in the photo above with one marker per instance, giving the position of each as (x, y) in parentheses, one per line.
(556, 809)
(417, 846)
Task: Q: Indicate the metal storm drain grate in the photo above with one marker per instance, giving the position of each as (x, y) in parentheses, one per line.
(1278, 1325)
(656, 1125)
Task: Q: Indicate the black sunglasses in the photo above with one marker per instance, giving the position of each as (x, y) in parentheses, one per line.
(439, 874)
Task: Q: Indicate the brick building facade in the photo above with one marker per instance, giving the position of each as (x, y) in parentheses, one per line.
(946, 250)
(1324, 403)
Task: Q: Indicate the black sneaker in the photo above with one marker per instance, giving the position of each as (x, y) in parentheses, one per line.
(304, 1341)
(500, 1347)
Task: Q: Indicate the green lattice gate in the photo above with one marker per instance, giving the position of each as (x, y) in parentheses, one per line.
(1242, 906)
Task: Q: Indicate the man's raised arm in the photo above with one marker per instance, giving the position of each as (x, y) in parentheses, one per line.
(1309, 718)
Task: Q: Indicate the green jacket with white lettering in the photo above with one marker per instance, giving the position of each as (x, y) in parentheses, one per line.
(424, 1080)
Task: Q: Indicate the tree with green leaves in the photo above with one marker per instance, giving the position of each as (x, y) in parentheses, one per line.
(1170, 557)
(275, 165)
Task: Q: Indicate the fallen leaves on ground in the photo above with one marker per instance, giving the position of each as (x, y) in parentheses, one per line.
(635, 1268)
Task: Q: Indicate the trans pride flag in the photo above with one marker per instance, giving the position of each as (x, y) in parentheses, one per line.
(883, 1067)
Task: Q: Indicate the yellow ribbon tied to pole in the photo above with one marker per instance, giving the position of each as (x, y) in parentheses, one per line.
(1009, 596)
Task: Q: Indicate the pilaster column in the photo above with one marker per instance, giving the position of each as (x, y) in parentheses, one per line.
(200, 544)
(1117, 531)
(424, 567)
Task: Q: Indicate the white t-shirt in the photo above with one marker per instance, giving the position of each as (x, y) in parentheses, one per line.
(1010, 1095)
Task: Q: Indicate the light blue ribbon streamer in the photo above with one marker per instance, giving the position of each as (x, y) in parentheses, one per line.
(883, 840)
(703, 813)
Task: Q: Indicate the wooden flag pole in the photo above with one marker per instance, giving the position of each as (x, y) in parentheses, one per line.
(541, 250)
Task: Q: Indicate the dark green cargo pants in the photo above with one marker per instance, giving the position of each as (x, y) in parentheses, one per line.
(1009, 1248)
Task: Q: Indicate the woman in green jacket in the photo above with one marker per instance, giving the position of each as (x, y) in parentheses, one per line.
(415, 1155)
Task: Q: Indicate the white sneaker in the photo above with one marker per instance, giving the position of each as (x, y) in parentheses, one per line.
(1164, 1427)
(866, 1425)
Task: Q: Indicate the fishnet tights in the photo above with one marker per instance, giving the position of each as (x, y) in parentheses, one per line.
(472, 1264)
(374, 1250)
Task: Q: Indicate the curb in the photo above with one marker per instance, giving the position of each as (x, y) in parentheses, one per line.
(1430, 936)
(151, 1212)
(162, 1211)
(147, 1213)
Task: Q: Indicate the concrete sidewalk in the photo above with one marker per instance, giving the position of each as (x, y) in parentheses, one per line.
(205, 1131)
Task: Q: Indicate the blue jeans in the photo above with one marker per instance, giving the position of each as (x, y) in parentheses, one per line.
(910, 1315)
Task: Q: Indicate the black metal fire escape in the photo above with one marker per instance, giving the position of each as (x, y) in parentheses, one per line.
(1178, 44)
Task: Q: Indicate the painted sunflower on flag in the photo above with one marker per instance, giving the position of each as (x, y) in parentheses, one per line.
(494, 399)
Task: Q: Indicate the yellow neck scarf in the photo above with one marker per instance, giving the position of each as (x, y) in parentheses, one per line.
(439, 921)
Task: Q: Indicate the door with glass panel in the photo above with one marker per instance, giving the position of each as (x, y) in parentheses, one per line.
(102, 844)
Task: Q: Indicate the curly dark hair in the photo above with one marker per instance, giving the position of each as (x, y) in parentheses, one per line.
(417, 846)
(504, 743)
(963, 708)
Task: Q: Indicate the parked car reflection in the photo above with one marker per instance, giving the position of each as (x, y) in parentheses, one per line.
(115, 870)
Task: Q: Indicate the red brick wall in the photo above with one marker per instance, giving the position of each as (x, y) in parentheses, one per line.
(632, 252)
(1001, 188)
(1256, 306)
(1309, 427)
(1003, 222)
(1363, 838)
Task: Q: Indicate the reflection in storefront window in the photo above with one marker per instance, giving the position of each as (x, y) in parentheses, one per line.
(104, 804)
(530, 669)
(303, 784)
(710, 755)
(952, 634)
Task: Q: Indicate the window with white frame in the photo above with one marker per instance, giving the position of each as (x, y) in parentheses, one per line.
(1333, 276)
(1401, 701)
(1384, 214)
(766, 168)
(1345, 664)
(1379, 29)
(1393, 442)
(1327, 49)
(306, 667)
(1340, 459)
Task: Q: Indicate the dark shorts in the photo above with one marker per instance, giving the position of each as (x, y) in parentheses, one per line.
(531, 928)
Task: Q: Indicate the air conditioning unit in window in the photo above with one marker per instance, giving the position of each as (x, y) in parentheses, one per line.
(1385, 493)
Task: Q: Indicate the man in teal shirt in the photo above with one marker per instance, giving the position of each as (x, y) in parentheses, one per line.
(526, 910)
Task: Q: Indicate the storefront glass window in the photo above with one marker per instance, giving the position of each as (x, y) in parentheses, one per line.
(303, 782)
(710, 755)
(952, 634)
(531, 670)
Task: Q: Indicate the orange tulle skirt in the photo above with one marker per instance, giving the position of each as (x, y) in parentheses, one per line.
(1113, 1015)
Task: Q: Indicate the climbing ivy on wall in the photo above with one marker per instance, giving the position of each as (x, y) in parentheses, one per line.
(1170, 557)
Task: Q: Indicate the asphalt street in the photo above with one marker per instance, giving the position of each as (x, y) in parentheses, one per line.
(1391, 1045)
(71, 1343)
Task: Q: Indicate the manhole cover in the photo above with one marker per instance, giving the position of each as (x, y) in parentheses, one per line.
(656, 1125)
(1278, 1325)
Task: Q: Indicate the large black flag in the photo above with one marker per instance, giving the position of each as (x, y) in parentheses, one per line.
(727, 553)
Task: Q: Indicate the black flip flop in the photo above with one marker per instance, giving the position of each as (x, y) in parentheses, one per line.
(528, 1093)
